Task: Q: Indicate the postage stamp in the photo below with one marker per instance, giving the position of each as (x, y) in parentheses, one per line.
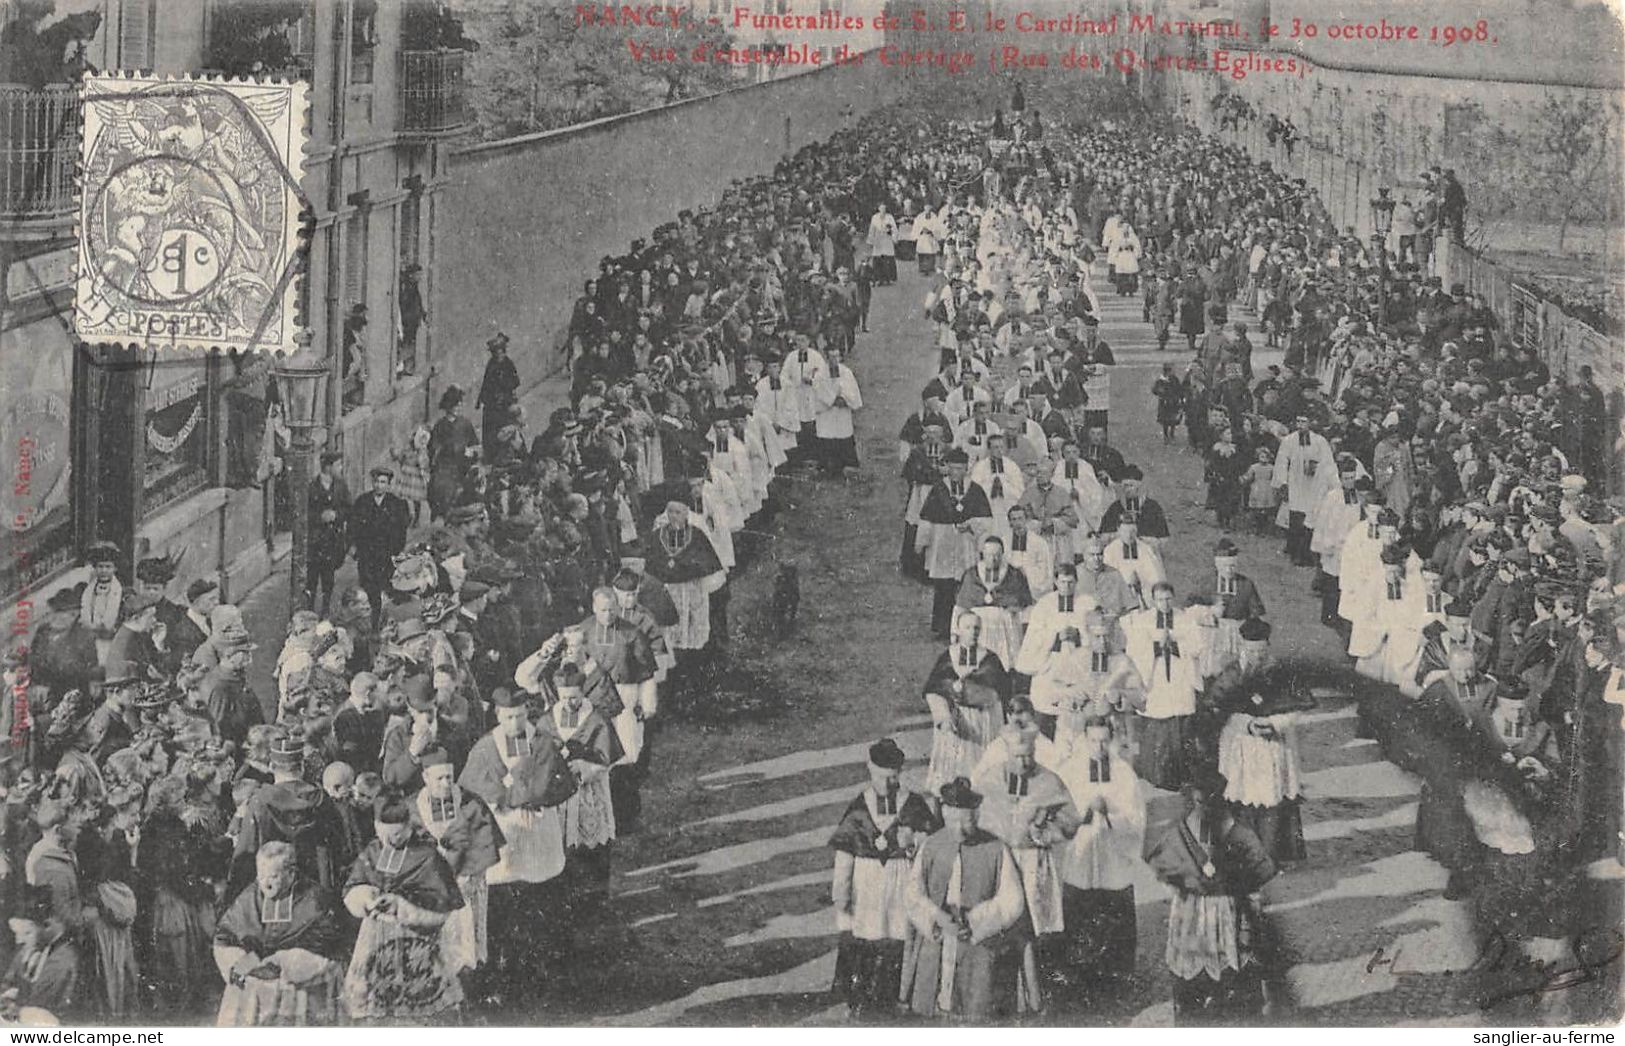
(189, 212)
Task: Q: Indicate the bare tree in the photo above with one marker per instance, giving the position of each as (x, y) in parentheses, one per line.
(1576, 157)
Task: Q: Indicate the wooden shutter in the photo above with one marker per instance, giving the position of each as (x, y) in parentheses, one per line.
(355, 261)
(411, 209)
(135, 34)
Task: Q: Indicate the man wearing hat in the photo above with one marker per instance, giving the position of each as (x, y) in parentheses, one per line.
(1425, 607)
(1441, 640)
(1130, 504)
(189, 631)
(1233, 593)
(378, 524)
(329, 537)
(1214, 864)
(226, 626)
(1378, 633)
(874, 842)
(466, 832)
(495, 644)
(499, 390)
(292, 810)
(964, 893)
(523, 775)
(953, 519)
(403, 891)
(683, 559)
(63, 651)
(922, 469)
(232, 704)
(1258, 755)
(111, 726)
(1507, 598)
(415, 729)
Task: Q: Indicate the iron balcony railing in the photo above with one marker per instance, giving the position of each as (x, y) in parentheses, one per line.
(434, 91)
(39, 151)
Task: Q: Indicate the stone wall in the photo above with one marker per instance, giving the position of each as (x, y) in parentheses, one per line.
(527, 219)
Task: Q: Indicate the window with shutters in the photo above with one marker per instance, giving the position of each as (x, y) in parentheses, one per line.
(355, 261)
(135, 29)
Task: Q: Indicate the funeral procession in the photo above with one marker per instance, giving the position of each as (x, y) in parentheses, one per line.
(872, 514)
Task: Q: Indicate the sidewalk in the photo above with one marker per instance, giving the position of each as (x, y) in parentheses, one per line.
(267, 607)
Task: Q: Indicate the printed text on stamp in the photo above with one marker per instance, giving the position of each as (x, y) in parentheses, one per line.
(189, 207)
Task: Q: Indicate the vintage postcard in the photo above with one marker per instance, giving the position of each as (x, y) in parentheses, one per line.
(872, 515)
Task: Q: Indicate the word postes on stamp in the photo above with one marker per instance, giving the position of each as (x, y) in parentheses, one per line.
(189, 212)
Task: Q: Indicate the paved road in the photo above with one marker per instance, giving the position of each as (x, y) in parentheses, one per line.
(722, 900)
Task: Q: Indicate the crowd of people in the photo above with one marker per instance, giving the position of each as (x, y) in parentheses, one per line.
(1074, 684)
(1443, 487)
(417, 818)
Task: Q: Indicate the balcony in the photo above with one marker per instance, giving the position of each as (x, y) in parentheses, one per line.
(434, 93)
(39, 153)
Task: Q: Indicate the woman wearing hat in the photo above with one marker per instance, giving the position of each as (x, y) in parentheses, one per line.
(1215, 866)
(498, 392)
(101, 605)
(43, 984)
(453, 444)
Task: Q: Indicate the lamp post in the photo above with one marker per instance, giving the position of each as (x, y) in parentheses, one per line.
(1382, 220)
(300, 380)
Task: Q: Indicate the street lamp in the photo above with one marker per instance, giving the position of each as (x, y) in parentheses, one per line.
(1382, 220)
(301, 378)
